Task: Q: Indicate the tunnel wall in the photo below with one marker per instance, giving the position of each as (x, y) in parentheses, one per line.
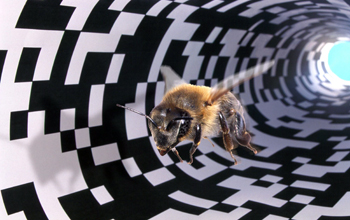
(67, 151)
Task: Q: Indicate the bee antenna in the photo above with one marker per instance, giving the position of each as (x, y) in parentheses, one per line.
(183, 118)
(140, 113)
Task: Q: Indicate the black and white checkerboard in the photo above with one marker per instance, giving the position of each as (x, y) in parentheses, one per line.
(67, 152)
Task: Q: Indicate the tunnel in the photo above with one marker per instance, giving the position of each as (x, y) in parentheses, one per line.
(64, 65)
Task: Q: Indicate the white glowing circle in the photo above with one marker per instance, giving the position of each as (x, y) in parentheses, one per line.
(332, 77)
(320, 81)
(339, 59)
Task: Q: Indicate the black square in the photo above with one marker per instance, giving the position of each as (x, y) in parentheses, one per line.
(68, 141)
(223, 207)
(18, 125)
(23, 198)
(27, 63)
(48, 15)
(2, 60)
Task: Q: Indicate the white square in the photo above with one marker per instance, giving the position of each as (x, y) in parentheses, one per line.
(271, 178)
(118, 5)
(157, 8)
(192, 200)
(67, 119)
(114, 68)
(302, 199)
(131, 167)
(159, 176)
(301, 160)
(310, 185)
(274, 217)
(305, 104)
(318, 112)
(95, 105)
(213, 35)
(105, 154)
(276, 10)
(82, 138)
(101, 195)
(337, 156)
(300, 17)
(337, 138)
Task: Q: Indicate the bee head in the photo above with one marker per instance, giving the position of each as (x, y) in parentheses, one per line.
(170, 124)
(167, 126)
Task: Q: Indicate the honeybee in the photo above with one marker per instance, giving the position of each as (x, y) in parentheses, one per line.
(190, 112)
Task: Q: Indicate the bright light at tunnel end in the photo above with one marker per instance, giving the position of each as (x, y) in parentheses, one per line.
(339, 60)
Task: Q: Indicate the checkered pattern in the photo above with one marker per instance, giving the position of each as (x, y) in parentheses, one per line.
(67, 152)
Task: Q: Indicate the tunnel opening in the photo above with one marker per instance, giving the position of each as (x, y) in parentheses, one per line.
(339, 59)
(65, 64)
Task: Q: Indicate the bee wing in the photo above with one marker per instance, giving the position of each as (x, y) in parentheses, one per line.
(230, 82)
(171, 78)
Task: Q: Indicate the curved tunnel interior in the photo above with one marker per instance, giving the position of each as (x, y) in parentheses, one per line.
(67, 151)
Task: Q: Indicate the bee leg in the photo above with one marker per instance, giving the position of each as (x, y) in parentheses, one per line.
(196, 142)
(227, 136)
(251, 148)
(242, 136)
(244, 140)
(177, 154)
(209, 141)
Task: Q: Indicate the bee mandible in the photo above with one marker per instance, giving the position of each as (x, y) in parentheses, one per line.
(191, 112)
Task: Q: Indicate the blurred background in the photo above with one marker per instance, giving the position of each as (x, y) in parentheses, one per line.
(67, 151)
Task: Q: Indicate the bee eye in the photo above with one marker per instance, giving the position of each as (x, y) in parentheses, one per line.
(170, 125)
(182, 121)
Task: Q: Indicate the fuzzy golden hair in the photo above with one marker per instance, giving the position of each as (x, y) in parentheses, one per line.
(193, 99)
